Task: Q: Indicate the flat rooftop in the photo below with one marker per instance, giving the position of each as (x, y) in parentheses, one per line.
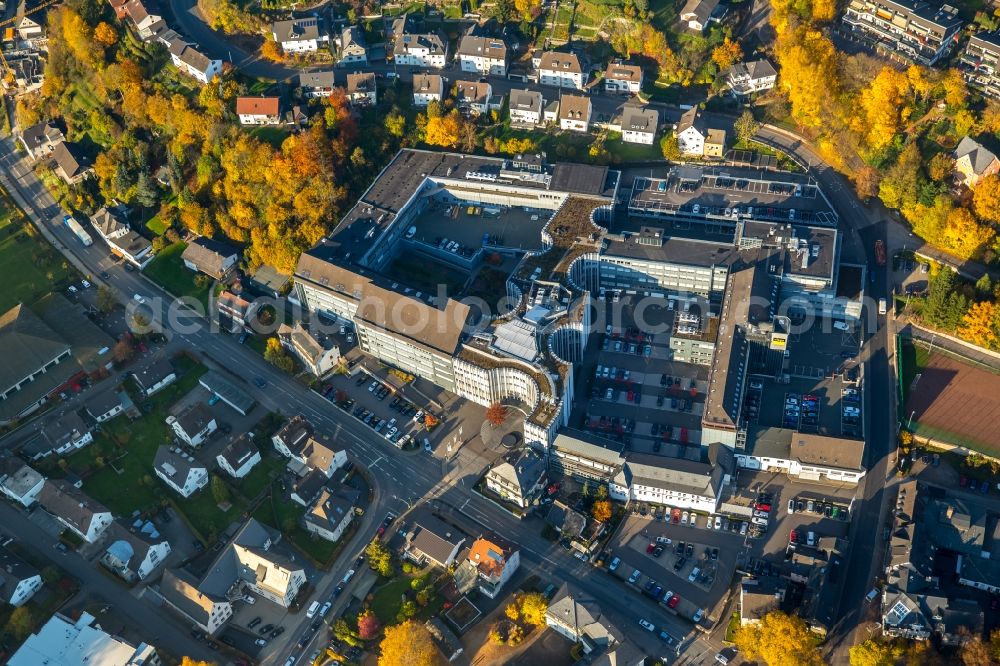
(667, 249)
(817, 246)
(715, 191)
(406, 174)
(808, 448)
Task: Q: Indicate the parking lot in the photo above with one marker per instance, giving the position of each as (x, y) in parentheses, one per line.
(468, 226)
(636, 393)
(831, 406)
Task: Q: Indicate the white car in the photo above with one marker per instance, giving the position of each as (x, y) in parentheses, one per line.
(84, 284)
(698, 615)
(791, 506)
(760, 514)
(718, 522)
(635, 576)
(664, 540)
(347, 577)
(313, 608)
(325, 609)
(248, 599)
(647, 625)
(759, 521)
(615, 563)
(139, 299)
(684, 518)
(260, 642)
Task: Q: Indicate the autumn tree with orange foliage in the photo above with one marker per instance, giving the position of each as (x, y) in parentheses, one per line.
(495, 414)
(981, 325)
(443, 130)
(986, 198)
(105, 35)
(407, 644)
(727, 54)
(188, 661)
(271, 50)
(601, 511)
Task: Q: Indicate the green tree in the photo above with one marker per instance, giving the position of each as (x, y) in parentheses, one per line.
(746, 127)
(343, 632)
(275, 354)
(984, 285)
(21, 622)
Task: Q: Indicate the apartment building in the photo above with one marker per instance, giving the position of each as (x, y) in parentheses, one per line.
(85, 517)
(746, 78)
(362, 90)
(562, 70)
(980, 63)
(239, 457)
(396, 328)
(496, 561)
(419, 50)
(485, 55)
(353, 48)
(622, 78)
(62, 641)
(301, 35)
(319, 355)
(258, 110)
(188, 59)
(179, 470)
(574, 113)
(193, 424)
(518, 478)
(911, 30)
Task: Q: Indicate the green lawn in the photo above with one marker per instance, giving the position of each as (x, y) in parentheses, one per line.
(204, 514)
(914, 359)
(633, 152)
(33, 267)
(262, 475)
(388, 598)
(283, 515)
(271, 135)
(167, 269)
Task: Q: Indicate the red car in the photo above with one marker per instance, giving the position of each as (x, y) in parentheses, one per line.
(793, 536)
(380, 531)
(762, 506)
(675, 516)
(674, 600)
(650, 548)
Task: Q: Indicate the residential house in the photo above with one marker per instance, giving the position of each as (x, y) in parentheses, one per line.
(518, 478)
(194, 424)
(697, 14)
(427, 88)
(144, 22)
(973, 162)
(496, 560)
(361, 89)
(567, 521)
(40, 139)
(300, 35)
(62, 434)
(622, 78)
(639, 125)
(118, 6)
(562, 70)
(82, 515)
(485, 55)
(432, 540)
(526, 108)
(239, 457)
(37, 362)
(107, 405)
(259, 110)
(331, 513)
(419, 50)
(235, 312)
(251, 563)
(155, 377)
(694, 137)
(268, 281)
(70, 163)
(18, 580)
(318, 355)
(980, 63)
(211, 257)
(473, 97)
(179, 470)
(577, 616)
(575, 112)
(306, 488)
(28, 28)
(759, 595)
(298, 440)
(910, 30)
(316, 84)
(352, 46)
(121, 239)
(180, 591)
(444, 639)
(746, 78)
(62, 641)
(133, 553)
(19, 482)
(189, 60)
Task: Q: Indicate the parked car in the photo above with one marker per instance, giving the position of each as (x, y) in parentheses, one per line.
(647, 625)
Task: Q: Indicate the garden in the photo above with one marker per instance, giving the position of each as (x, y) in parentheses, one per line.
(167, 269)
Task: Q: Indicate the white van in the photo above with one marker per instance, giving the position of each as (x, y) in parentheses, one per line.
(313, 608)
(883, 307)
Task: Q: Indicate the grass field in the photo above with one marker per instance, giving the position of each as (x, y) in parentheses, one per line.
(950, 400)
(167, 269)
(33, 267)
